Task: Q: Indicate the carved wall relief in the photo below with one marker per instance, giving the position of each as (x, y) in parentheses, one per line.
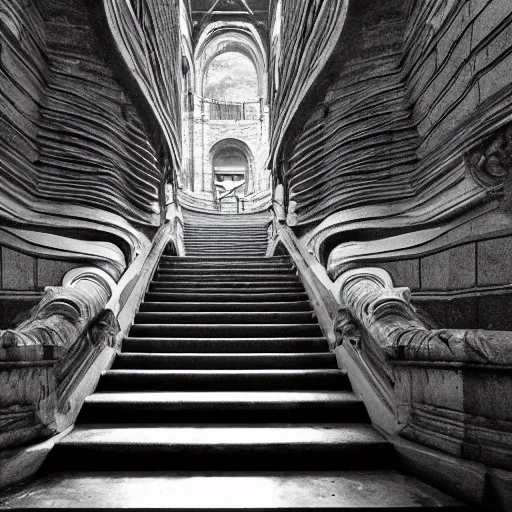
(490, 162)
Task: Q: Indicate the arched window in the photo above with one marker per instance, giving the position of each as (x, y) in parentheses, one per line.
(232, 77)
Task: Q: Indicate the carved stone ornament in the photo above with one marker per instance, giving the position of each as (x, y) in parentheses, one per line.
(446, 390)
(490, 163)
(391, 321)
(346, 329)
(103, 331)
(44, 358)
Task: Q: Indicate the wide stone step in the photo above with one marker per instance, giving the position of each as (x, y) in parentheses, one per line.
(231, 296)
(200, 307)
(224, 345)
(243, 236)
(241, 239)
(244, 241)
(213, 227)
(223, 254)
(227, 260)
(240, 248)
(292, 284)
(220, 219)
(225, 330)
(228, 291)
(244, 317)
(223, 406)
(241, 242)
(222, 380)
(191, 228)
(226, 278)
(222, 361)
(237, 266)
(225, 271)
(219, 226)
(228, 249)
(219, 222)
(235, 235)
(234, 491)
(227, 447)
(221, 243)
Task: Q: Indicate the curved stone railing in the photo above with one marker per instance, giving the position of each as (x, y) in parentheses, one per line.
(442, 389)
(53, 359)
(391, 321)
(46, 354)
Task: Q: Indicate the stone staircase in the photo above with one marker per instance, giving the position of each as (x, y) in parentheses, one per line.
(225, 396)
(225, 235)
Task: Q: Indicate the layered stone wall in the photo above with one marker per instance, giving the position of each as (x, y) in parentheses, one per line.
(359, 146)
(83, 159)
(400, 149)
(458, 66)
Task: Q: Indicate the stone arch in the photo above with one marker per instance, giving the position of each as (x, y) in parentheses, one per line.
(236, 144)
(220, 38)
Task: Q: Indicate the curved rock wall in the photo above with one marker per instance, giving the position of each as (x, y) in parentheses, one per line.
(404, 150)
(81, 168)
(302, 36)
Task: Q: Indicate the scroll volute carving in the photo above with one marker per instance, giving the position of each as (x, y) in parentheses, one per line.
(490, 162)
(60, 319)
(392, 327)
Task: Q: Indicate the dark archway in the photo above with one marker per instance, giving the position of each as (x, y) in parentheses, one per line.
(232, 160)
(230, 164)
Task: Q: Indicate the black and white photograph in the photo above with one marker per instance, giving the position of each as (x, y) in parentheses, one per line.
(256, 255)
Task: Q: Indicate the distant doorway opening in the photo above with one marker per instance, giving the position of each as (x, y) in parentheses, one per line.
(230, 170)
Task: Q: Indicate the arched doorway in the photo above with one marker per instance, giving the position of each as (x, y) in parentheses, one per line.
(232, 163)
(221, 38)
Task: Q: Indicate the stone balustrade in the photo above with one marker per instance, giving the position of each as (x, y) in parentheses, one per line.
(445, 389)
(44, 357)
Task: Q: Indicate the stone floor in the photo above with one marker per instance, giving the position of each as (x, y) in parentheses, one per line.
(262, 490)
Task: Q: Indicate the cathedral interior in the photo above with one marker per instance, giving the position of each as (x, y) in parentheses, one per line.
(254, 254)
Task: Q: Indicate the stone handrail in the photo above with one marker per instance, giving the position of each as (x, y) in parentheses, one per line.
(55, 356)
(392, 322)
(62, 316)
(440, 395)
(49, 352)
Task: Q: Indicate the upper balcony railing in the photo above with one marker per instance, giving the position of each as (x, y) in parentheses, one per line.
(216, 110)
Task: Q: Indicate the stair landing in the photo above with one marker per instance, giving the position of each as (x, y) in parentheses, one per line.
(189, 490)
